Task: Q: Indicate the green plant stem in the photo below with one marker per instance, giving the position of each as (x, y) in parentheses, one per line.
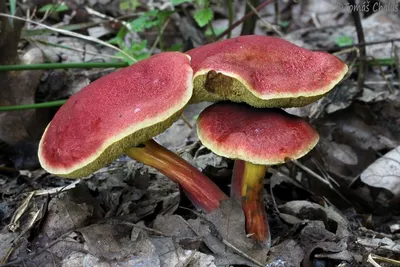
(230, 16)
(33, 106)
(381, 62)
(79, 65)
(249, 24)
(214, 35)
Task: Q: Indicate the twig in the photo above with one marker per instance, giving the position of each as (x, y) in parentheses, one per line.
(361, 39)
(14, 224)
(271, 193)
(353, 180)
(188, 148)
(40, 251)
(115, 221)
(371, 260)
(186, 121)
(198, 152)
(217, 235)
(241, 253)
(240, 21)
(315, 20)
(324, 172)
(391, 90)
(159, 35)
(269, 25)
(213, 34)
(360, 44)
(72, 65)
(249, 25)
(368, 232)
(230, 15)
(73, 34)
(326, 181)
(352, 62)
(277, 12)
(397, 62)
(56, 190)
(306, 169)
(101, 15)
(348, 50)
(376, 257)
(35, 41)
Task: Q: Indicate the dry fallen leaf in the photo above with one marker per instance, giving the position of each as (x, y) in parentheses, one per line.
(384, 172)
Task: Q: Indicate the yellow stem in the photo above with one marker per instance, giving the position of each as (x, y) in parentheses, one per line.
(249, 178)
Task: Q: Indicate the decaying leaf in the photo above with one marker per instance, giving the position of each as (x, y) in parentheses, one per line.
(70, 210)
(287, 253)
(333, 221)
(217, 227)
(385, 172)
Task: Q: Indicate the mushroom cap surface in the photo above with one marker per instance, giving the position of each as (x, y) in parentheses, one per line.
(115, 112)
(263, 72)
(259, 136)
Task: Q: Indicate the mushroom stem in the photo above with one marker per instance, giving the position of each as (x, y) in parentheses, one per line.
(200, 189)
(248, 186)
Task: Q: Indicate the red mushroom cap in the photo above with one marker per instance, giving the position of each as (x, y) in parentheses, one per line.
(260, 136)
(266, 72)
(115, 112)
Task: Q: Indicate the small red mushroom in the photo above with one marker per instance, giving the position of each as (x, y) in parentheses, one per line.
(263, 71)
(256, 139)
(120, 111)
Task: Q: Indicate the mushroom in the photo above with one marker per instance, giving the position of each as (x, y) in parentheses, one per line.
(263, 71)
(120, 113)
(256, 139)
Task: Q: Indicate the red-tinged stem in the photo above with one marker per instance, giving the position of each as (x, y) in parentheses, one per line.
(248, 185)
(199, 188)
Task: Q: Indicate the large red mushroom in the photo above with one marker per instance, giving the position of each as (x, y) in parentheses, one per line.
(263, 71)
(120, 113)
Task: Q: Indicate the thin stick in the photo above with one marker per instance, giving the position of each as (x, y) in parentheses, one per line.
(397, 62)
(240, 21)
(277, 12)
(33, 40)
(361, 39)
(30, 255)
(304, 168)
(241, 253)
(101, 15)
(56, 190)
(72, 65)
(151, 230)
(269, 25)
(230, 16)
(376, 257)
(391, 90)
(371, 260)
(73, 34)
(186, 121)
(360, 44)
(159, 35)
(223, 240)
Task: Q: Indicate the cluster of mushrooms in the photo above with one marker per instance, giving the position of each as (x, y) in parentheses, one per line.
(248, 77)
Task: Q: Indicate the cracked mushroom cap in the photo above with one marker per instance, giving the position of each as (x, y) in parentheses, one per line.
(260, 136)
(263, 72)
(115, 112)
